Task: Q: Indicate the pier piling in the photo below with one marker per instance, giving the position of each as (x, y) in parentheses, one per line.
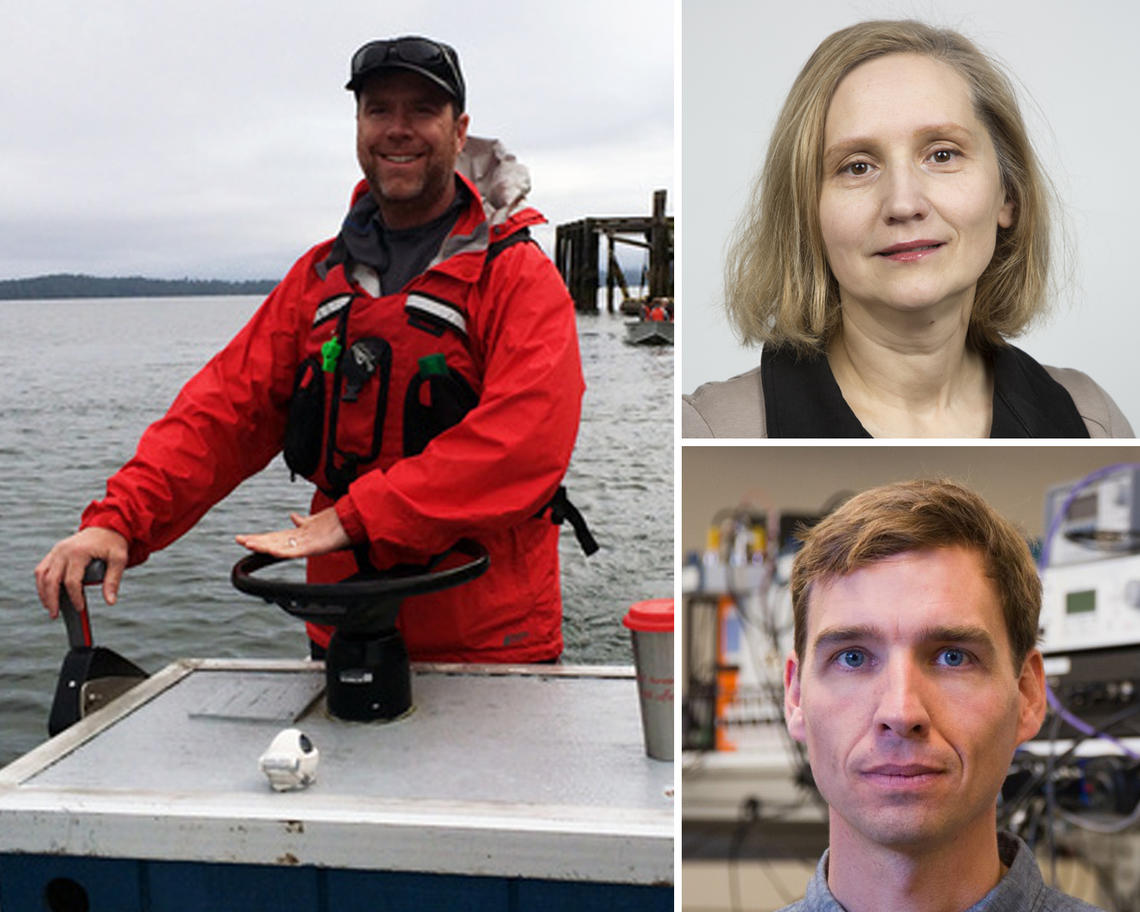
(577, 256)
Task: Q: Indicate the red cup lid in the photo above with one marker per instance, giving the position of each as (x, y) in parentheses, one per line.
(652, 616)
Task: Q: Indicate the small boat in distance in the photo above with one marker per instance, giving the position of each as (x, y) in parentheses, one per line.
(649, 332)
(654, 325)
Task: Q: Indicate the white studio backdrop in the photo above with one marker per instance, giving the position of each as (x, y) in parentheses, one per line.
(1076, 72)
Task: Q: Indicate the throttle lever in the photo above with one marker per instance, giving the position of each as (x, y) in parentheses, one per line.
(78, 623)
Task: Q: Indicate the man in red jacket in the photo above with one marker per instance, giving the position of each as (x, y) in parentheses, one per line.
(421, 369)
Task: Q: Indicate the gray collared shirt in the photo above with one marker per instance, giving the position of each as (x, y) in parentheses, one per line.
(1022, 889)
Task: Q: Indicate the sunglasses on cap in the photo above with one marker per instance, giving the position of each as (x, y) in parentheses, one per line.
(433, 59)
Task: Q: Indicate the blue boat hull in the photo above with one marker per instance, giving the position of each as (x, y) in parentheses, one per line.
(163, 886)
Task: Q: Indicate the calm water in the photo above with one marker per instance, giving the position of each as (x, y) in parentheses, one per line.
(84, 379)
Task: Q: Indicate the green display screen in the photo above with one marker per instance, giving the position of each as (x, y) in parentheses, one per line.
(1080, 602)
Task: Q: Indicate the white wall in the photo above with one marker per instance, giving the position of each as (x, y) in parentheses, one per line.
(1078, 73)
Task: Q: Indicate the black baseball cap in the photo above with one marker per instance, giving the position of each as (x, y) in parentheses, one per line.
(433, 60)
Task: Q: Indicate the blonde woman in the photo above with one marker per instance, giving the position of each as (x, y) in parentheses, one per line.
(898, 236)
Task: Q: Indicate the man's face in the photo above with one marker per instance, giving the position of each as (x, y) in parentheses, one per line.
(908, 700)
(407, 141)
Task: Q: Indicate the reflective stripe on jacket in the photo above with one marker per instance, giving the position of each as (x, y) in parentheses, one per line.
(506, 327)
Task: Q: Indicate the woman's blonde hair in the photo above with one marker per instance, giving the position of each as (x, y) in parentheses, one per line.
(779, 288)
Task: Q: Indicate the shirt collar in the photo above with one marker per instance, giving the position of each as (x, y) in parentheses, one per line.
(1019, 889)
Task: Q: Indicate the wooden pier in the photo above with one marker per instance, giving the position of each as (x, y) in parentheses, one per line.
(577, 255)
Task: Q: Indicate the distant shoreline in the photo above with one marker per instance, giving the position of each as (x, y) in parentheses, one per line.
(71, 285)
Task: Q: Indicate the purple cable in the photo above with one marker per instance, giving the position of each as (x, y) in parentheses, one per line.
(1043, 562)
(1082, 726)
(1059, 517)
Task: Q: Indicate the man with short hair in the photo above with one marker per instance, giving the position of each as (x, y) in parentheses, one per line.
(914, 677)
(421, 369)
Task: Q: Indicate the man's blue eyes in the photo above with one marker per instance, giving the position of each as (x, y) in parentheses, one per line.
(950, 657)
(954, 657)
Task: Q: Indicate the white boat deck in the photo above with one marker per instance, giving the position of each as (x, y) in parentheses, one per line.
(529, 771)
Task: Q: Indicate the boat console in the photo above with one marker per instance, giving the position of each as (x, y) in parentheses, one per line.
(367, 673)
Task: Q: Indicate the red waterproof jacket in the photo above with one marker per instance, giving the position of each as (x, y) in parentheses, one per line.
(504, 328)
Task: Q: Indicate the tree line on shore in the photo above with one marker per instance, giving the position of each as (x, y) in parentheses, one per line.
(72, 285)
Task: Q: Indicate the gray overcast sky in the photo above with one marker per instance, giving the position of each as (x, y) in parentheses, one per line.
(214, 138)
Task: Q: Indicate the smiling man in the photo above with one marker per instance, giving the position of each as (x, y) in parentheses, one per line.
(421, 369)
(914, 677)
(410, 130)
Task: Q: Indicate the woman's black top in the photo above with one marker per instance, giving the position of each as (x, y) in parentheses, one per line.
(802, 399)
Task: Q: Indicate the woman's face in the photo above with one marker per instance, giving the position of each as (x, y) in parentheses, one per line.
(911, 194)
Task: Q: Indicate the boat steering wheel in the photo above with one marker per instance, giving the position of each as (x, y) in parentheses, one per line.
(368, 601)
